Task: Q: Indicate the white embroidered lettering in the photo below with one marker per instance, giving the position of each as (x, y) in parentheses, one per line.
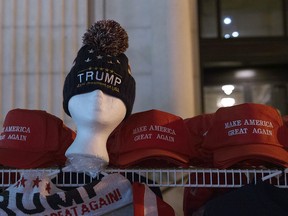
(262, 131)
(165, 137)
(237, 131)
(139, 129)
(232, 124)
(142, 137)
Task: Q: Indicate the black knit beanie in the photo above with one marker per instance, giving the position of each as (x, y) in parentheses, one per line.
(102, 64)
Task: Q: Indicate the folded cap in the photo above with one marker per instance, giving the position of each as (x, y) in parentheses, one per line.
(247, 131)
(150, 138)
(198, 127)
(195, 197)
(285, 120)
(252, 199)
(33, 139)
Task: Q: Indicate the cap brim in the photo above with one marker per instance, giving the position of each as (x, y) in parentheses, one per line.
(230, 155)
(148, 156)
(22, 159)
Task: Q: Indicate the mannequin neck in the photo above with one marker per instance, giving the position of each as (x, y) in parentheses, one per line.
(91, 141)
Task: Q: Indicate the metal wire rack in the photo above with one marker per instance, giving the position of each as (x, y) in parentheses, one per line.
(228, 178)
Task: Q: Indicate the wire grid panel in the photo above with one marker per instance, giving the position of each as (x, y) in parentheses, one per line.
(207, 177)
(160, 177)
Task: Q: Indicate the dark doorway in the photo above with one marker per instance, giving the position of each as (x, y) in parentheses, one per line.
(234, 85)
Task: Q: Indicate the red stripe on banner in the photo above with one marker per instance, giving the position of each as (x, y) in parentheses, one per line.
(138, 199)
(164, 209)
(146, 203)
(150, 202)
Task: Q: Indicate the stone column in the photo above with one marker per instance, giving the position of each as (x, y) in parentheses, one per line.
(175, 57)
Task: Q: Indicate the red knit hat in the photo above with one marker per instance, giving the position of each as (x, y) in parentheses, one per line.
(34, 139)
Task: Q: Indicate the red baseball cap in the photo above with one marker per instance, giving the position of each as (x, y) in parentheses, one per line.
(285, 120)
(34, 139)
(198, 127)
(247, 131)
(151, 138)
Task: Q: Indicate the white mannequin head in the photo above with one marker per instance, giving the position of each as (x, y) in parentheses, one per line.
(96, 115)
(96, 108)
(100, 66)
